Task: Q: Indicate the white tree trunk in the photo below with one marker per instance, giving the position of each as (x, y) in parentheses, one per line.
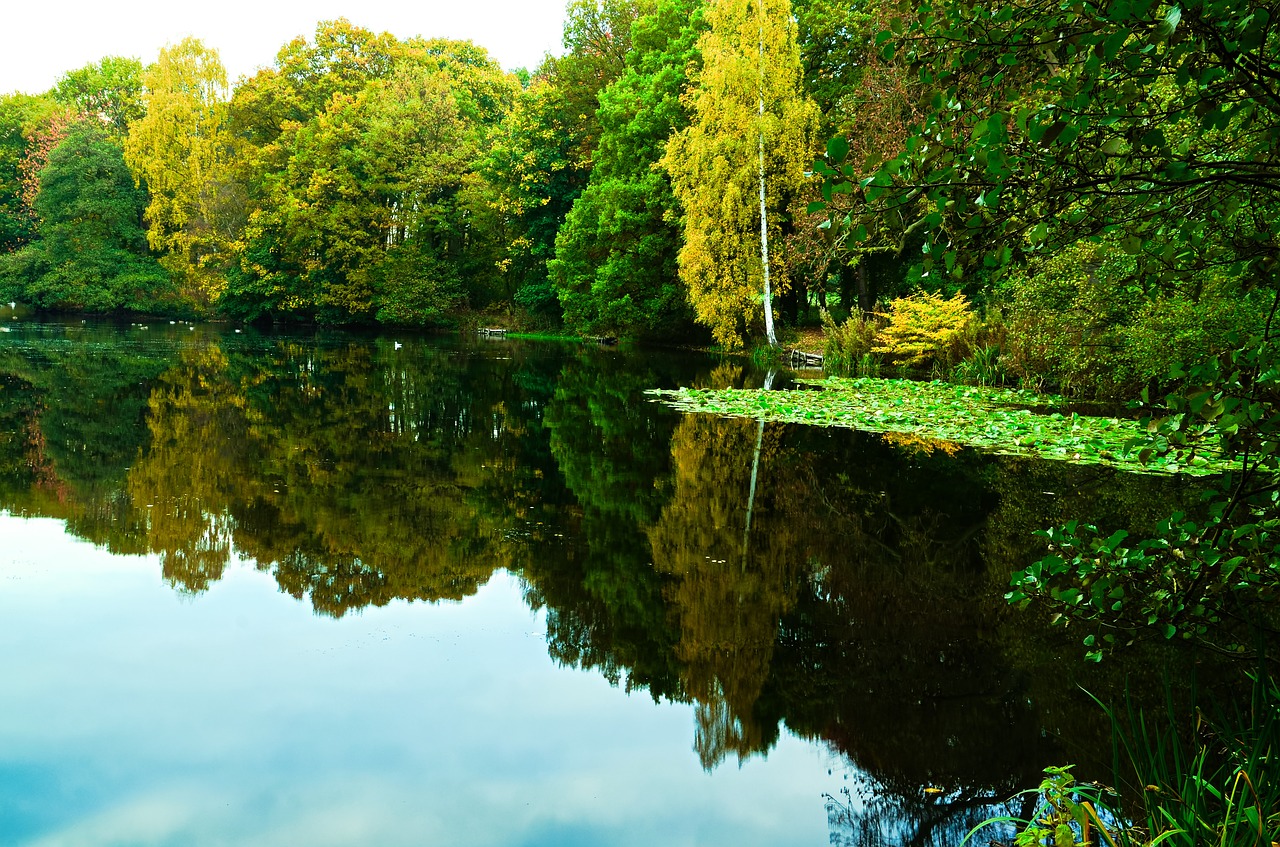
(764, 220)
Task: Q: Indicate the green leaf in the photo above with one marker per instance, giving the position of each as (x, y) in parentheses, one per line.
(1170, 22)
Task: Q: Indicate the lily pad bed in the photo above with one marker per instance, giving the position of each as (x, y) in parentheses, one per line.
(994, 420)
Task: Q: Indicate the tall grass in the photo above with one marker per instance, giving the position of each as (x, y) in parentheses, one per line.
(1210, 780)
(848, 347)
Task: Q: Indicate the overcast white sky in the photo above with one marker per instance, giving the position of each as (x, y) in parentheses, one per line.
(42, 39)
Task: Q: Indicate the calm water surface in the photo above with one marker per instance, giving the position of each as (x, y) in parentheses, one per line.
(329, 589)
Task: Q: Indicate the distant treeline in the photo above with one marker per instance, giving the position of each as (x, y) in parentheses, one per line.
(1100, 182)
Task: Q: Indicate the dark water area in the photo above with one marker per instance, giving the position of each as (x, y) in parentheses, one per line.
(331, 589)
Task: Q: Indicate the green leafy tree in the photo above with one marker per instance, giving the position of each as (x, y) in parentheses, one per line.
(1154, 124)
(266, 115)
(358, 154)
(92, 251)
(869, 103)
(530, 170)
(541, 157)
(615, 264)
(109, 91)
(20, 117)
(751, 121)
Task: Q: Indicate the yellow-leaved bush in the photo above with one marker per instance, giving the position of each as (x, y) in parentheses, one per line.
(922, 327)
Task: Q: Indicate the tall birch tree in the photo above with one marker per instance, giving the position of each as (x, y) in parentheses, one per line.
(181, 150)
(740, 163)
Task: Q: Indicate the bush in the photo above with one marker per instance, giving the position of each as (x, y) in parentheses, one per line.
(924, 328)
(848, 344)
(1066, 317)
(1169, 330)
(1082, 322)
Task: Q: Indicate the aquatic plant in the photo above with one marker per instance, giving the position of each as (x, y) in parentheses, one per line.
(1005, 421)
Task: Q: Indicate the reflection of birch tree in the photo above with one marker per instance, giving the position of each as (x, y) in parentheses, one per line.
(737, 554)
(195, 467)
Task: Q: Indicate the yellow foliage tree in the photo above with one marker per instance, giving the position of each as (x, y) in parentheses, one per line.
(753, 126)
(182, 151)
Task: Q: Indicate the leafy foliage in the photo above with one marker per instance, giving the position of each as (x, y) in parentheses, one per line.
(92, 253)
(20, 118)
(749, 86)
(109, 91)
(848, 344)
(1208, 578)
(359, 163)
(1134, 107)
(614, 267)
(989, 419)
(181, 152)
(921, 328)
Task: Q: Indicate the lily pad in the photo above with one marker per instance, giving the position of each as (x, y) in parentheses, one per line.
(1003, 421)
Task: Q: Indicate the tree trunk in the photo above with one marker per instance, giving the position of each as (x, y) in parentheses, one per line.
(764, 220)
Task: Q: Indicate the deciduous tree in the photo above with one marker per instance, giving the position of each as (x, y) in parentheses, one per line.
(109, 91)
(181, 151)
(615, 265)
(751, 119)
(92, 252)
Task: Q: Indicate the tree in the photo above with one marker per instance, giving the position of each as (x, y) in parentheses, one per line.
(597, 39)
(750, 119)
(1156, 125)
(92, 252)
(533, 179)
(542, 155)
(21, 116)
(870, 103)
(358, 156)
(373, 178)
(109, 91)
(266, 115)
(615, 264)
(181, 151)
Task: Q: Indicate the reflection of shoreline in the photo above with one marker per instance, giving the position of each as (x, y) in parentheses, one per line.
(864, 611)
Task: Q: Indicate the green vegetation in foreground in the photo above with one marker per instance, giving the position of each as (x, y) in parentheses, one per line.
(995, 420)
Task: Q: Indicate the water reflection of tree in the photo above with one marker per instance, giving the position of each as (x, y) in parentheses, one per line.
(731, 588)
(349, 471)
(858, 611)
(867, 816)
(861, 609)
(84, 399)
(194, 467)
(605, 601)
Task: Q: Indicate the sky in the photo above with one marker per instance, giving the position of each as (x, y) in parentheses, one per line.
(40, 40)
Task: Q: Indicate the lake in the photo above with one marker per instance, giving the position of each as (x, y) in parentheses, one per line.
(327, 588)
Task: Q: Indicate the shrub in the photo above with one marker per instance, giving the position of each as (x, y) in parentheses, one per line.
(848, 344)
(1169, 329)
(923, 328)
(1081, 321)
(1066, 316)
